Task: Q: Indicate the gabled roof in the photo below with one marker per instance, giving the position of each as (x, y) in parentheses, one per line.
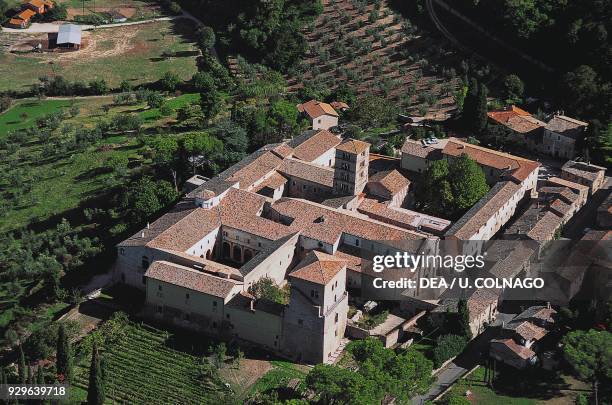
(309, 146)
(566, 126)
(69, 34)
(318, 267)
(308, 171)
(26, 14)
(392, 181)
(516, 119)
(315, 109)
(353, 146)
(190, 278)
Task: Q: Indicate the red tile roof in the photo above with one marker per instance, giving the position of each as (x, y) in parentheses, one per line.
(392, 181)
(318, 267)
(316, 145)
(191, 279)
(516, 119)
(353, 146)
(315, 109)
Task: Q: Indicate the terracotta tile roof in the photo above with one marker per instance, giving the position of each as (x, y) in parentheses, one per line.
(418, 149)
(307, 171)
(353, 146)
(26, 14)
(322, 223)
(477, 216)
(37, 3)
(517, 167)
(255, 170)
(314, 145)
(567, 183)
(339, 105)
(480, 301)
(191, 279)
(351, 255)
(283, 150)
(16, 21)
(318, 267)
(516, 119)
(180, 211)
(392, 181)
(545, 228)
(240, 210)
(566, 126)
(583, 170)
(536, 312)
(382, 212)
(315, 109)
(527, 330)
(507, 348)
(273, 181)
(187, 231)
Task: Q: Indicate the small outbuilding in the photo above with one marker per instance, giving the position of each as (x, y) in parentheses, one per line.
(69, 36)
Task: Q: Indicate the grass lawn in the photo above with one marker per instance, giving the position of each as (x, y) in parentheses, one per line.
(63, 184)
(139, 54)
(535, 387)
(143, 367)
(24, 113)
(277, 378)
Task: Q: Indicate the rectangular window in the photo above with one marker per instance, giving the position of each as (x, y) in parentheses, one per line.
(300, 322)
(159, 287)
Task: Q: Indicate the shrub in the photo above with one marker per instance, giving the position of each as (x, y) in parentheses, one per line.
(155, 100)
(448, 346)
(98, 86)
(169, 81)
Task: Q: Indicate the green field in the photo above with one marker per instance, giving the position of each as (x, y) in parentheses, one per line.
(24, 114)
(64, 184)
(139, 54)
(142, 367)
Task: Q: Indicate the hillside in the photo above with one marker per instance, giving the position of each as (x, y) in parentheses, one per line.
(372, 48)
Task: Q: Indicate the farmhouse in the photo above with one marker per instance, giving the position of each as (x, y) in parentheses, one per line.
(39, 6)
(22, 20)
(522, 125)
(560, 136)
(322, 115)
(69, 36)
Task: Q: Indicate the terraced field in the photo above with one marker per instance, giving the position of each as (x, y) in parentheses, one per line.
(142, 368)
(373, 48)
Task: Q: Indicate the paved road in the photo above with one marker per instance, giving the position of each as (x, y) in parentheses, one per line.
(459, 367)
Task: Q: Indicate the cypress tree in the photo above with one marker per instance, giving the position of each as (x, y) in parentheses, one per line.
(64, 356)
(30, 376)
(464, 318)
(40, 376)
(95, 392)
(469, 104)
(480, 111)
(2, 376)
(21, 368)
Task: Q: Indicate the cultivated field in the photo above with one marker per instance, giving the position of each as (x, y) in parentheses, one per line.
(139, 54)
(377, 50)
(143, 367)
(133, 9)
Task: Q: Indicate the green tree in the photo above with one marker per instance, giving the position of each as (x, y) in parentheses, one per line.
(64, 355)
(40, 376)
(590, 355)
(372, 112)
(145, 197)
(580, 91)
(154, 99)
(169, 81)
(98, 86)
(206, 38)
(514, 89)
(448, 346)
(480, 113)
(165, 154)
(210, 97)
(95, 390)
(202, 149)
(468, 183)
(598, 143)
(235, 141)
(435, 194)
(470, 103)
(463, 313)
(266, 288)
(21, 367)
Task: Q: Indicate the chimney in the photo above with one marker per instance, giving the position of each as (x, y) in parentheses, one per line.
(252, 305)
(142, 234)
(548, 304)
(148, 226)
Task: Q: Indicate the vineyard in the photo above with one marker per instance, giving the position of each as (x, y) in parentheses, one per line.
(142, 368)
(374, 49)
